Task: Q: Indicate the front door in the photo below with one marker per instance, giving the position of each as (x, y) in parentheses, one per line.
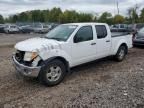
(84, 45)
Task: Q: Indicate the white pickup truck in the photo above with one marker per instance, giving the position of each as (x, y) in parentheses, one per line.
(50, 57)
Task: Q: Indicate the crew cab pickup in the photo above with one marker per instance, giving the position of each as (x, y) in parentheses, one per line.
(50, 57)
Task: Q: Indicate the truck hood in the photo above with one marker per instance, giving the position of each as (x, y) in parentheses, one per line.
(38, 44)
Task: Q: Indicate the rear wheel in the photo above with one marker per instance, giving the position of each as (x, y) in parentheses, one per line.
(53, 73)
(7, 32)
(121, 53)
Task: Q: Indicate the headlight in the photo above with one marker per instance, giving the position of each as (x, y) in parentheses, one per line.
(30, 55)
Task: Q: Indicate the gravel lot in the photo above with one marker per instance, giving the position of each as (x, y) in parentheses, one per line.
(11, 39)
(99, 84)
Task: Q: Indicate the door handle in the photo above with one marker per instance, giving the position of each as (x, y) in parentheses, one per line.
(108, 41)
(93, 43)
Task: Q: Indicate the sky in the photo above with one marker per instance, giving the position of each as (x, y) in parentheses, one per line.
(11, 7)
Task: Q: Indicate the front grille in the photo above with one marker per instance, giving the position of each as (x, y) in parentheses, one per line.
(19, 56)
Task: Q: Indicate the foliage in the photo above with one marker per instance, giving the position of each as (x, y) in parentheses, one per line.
(142, 16)
(133, 14)
(70, 16)
(118, 19)
(1, 19)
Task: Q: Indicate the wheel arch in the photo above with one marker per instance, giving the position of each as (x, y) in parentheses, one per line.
(66, 63)
(124, 44)
(121, 43)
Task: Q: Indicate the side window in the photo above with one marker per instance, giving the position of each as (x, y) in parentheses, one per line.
(122, 26)
(101, 31)
(115, 26)
(85, 33)
(45, 26)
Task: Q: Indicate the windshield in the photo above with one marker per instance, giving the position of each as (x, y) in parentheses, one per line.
(141, 30)
(140, 33)
(139, 26)
(61, 33)
(13, 26)
(38, 26)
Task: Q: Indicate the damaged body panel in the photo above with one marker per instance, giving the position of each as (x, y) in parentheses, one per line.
(45, 49)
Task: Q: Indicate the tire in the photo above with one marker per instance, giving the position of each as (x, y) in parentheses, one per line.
(53, 73)
(7, 32)
(122, 51)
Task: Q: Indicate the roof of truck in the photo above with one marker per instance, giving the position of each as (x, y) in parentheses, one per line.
(82, 24)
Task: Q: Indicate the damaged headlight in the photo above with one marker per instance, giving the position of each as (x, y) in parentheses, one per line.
(30, 56)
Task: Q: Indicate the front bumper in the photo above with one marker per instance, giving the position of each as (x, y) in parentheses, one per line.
(26, 70)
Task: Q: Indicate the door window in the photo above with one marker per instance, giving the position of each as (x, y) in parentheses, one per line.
(85, 33)
(101, 31)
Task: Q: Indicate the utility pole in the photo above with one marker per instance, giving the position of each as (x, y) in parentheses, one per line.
(117, 6)
(135, 10)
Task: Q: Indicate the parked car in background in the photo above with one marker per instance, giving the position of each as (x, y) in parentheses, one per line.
(2, 26)
(135, 27)
(50, 57)
(41, 28)
(26, 29)
(53, 25)
(119, 28)
(11, 28)
(139, 38)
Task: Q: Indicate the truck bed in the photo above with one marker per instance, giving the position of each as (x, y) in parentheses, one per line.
(117, 34)
(118, 37)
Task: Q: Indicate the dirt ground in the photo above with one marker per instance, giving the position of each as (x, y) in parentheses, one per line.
(99, 84)
(11, 39)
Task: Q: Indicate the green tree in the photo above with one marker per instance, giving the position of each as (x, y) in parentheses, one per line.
(35, 15)
(45, 15)
(83, 17)
(69, 17)
(1, 19)
(23, 17)
(133, 14)
(106, 18)
(118, 19)
(54, 14)
(142, 16)
(95, 19)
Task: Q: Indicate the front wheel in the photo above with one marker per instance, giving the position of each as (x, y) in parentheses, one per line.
(53, 73)
(121, 53)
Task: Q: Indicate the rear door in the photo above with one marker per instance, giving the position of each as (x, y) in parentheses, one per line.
(103, 41)
(84, 45)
